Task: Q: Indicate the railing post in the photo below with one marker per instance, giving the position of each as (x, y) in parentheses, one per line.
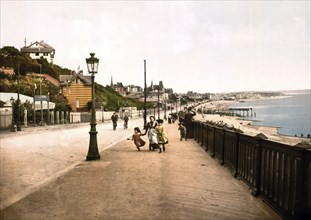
(236, 171)
(195, 127)
(199, 127)
(202, 135)
(206, 138)
(301, 188)
(257, 175)
(214, 142)
(222, 159)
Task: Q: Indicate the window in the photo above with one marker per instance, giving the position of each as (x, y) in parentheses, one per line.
(37, 54)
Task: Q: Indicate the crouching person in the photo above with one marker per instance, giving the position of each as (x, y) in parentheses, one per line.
(136, 137)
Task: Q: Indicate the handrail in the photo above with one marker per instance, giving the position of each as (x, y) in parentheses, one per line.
(279, 174)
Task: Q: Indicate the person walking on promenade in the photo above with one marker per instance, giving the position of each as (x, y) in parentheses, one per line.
(151, 124)
(126, 119)
(161, 134)
(114, 119)
(183, 131)
(136, 137)
(188, 123)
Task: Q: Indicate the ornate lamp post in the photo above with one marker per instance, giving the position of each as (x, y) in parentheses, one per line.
(34, 105)
(12, 126)
(92, 66)
(18, 101)
(158, 101)
(165, 110)
(145, 96)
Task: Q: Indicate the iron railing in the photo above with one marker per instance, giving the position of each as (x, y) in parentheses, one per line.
(279, 174)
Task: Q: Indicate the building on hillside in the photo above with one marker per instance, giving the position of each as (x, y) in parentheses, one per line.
(7, 70)
(118, 87)
(155, 92)
(40, 49)
(134, 92)
(77, 88)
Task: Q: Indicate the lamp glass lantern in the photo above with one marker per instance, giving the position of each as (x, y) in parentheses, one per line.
(92, 64)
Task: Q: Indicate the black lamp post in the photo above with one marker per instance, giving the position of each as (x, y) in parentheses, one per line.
(18, 102)
(34, 104)
(92, 66)
(165, 110)
(145, 96)
(13, 126)
(159, 101)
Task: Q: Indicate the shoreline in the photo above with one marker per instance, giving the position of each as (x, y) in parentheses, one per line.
(246, 125)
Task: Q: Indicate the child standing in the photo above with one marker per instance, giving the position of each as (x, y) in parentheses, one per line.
(137, 139)
(162, 136)
(183, 131)
(153, 139)
(151, 124)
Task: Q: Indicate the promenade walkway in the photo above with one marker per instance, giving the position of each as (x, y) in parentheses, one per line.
(184, 182)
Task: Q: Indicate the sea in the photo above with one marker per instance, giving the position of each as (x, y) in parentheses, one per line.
(290, 114)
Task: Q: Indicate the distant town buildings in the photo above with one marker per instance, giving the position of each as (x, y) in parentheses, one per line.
(39, 49)
(154, 92)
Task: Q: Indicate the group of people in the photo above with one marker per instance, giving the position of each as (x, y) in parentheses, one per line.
(114, 119)
(156, 133)
(189, 113)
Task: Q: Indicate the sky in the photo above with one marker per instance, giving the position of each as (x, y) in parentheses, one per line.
(199, 46)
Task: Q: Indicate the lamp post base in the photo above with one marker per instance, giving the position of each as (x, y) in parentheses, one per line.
(92, 157)
(93, 153)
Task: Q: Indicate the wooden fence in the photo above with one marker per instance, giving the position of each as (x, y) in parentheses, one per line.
(279, 174)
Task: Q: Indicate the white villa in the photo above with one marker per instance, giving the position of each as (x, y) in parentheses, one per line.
(39, 49)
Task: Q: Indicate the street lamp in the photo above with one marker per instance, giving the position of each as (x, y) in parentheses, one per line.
(13, 126)
(93, 154)
(34, 105)
(41, 122)
(165, 109)
(159, 101)
(18, 102)
(145, 96)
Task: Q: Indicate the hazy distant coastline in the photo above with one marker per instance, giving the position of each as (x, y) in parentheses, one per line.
(276, 116)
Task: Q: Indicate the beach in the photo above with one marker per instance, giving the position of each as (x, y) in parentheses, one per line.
(246, 126)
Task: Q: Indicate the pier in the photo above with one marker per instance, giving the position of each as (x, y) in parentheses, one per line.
(242, 111)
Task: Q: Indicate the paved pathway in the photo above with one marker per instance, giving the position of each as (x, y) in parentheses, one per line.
(36, 155)
(182, 183)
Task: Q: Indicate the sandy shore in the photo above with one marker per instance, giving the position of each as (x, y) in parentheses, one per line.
(245, 126)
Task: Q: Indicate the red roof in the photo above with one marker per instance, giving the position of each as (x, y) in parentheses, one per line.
(49, 78)
(9, 71)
